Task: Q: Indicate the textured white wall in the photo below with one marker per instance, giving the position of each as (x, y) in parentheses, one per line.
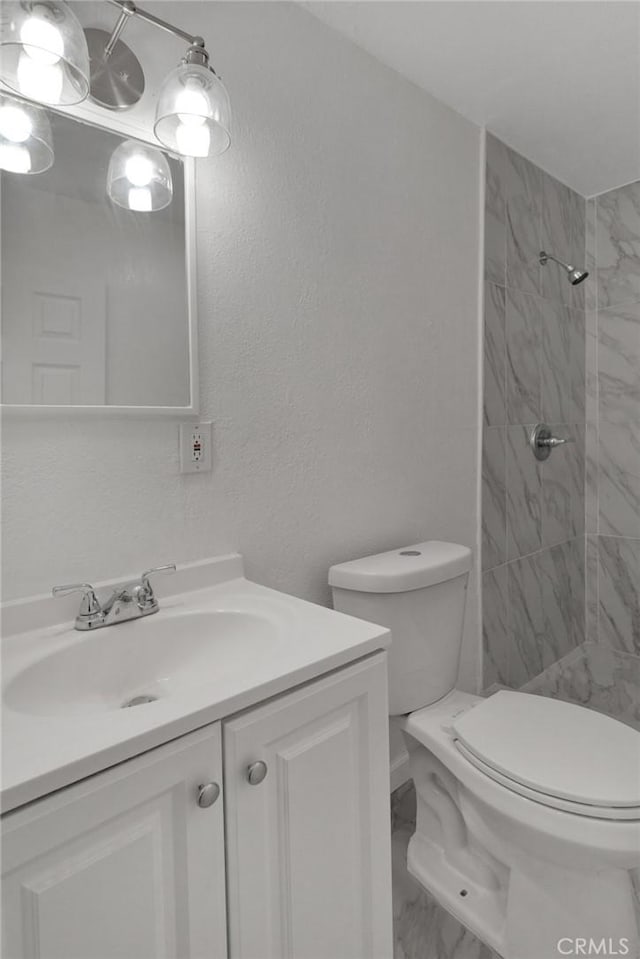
(338, 288)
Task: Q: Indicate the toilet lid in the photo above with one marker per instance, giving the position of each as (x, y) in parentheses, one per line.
(555, 748)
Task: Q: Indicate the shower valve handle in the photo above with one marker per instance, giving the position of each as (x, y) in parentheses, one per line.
(542, 441)
(552, 441)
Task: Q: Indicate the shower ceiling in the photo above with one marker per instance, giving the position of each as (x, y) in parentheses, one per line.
(558, 81)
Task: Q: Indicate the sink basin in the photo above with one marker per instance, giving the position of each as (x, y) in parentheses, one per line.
(141, 662)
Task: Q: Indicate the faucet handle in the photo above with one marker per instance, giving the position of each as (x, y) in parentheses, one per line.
(144, 579)
(89, 605)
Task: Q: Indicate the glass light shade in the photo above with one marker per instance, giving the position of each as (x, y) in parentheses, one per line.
(43, 54)
(139, 178)
(26, 144)
(193, 114)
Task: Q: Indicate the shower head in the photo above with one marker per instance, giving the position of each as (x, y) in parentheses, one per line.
(577, 276)
(574, 275)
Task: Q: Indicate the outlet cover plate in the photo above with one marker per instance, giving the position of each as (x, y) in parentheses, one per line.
(195, 447)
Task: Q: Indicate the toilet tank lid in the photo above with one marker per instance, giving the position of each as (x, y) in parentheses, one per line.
(403, 569)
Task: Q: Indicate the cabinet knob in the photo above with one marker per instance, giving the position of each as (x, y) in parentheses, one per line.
(256, 772)
(207, 794)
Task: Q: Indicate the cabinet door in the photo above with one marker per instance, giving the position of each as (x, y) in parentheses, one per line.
(124, 865)
(308, 848)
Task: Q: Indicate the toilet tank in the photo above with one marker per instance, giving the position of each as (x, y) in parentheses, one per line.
(418, 592)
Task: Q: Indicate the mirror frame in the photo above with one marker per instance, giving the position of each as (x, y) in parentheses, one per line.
(94, 115)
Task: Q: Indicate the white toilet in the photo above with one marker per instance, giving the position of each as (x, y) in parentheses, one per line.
(528, 808)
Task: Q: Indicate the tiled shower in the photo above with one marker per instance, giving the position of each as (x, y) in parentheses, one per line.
(613, 447)
(534, 371)
(561, 539)
(613, 420)
(567, 356)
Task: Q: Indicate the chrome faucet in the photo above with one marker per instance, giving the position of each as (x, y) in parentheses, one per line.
(126, 602)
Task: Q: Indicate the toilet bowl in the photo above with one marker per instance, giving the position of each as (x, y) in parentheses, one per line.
(528, 809)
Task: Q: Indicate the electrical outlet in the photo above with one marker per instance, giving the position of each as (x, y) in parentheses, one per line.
(195, 447)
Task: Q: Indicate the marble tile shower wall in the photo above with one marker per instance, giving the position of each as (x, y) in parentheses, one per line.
(534, 371)
(613, 419)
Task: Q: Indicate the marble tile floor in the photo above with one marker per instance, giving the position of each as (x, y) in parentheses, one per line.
(592, 675)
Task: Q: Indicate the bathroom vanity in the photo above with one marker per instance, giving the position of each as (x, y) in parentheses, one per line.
(241, 813)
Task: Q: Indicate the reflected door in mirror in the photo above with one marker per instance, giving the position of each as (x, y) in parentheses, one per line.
(54, 336)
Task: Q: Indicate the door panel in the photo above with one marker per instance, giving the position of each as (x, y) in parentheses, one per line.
(54, 332)
(308, 848)
(124, 865)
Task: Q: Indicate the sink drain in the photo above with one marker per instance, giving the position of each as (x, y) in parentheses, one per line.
(138, 701)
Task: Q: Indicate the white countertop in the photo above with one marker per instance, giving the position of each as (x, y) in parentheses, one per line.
(42, 753)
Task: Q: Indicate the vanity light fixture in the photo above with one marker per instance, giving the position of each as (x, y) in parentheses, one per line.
(44, 54)
(25, 137)
(47, 57)
(193, 113)
(139, 178)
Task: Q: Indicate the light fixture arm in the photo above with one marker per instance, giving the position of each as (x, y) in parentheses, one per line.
(130, 9)
(117, 30)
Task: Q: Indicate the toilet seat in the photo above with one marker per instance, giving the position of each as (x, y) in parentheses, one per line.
(548, 751)
(554, 802)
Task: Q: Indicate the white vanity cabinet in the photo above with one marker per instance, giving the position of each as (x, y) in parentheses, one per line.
(128, 865)
(308, 870)
(124, 865)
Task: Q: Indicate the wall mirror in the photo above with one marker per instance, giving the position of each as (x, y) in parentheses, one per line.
(98, 284)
